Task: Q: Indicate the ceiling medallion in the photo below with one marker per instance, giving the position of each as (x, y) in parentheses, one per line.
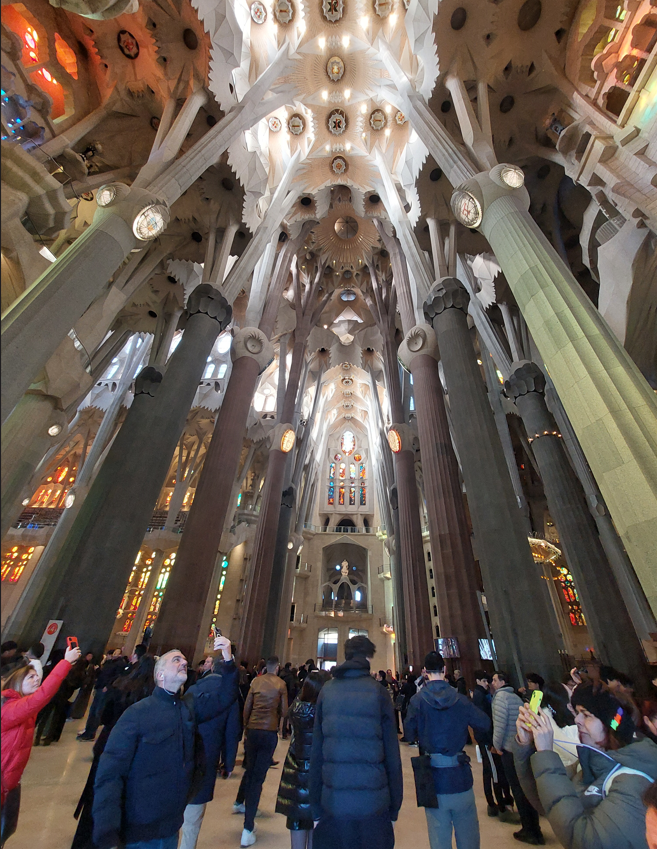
(378, 119)
(275, 124)
(128, 44)
(466, 208)
(333, 10)
(296, 125)
(383, 7)
(347, 381)
(337, 122)
(401, 119)
(335, 68)
(284, 11)
(339, 165)
(258, 12)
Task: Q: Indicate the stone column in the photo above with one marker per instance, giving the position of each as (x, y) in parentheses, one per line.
(180, 618)
(94, 564)
(522, 619)
(608, 620)
(455, 572)
(611, 406)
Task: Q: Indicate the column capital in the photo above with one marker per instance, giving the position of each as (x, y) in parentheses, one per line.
(526, 378)
(147, 381)
(419, 341)
(252, 342)
(209, 301)
(448, 294)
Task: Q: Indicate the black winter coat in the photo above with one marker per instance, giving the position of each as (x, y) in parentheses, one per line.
(355, 766)
(145, 775)
(223, 690)
(293, 794)
(482, 700)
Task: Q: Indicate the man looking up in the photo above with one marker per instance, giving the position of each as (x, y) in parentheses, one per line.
(266, 705)
(356, 784)
(438, 718)
(145, 773)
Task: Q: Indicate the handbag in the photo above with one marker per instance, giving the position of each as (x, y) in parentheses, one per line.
(425, 789)
(10, 814)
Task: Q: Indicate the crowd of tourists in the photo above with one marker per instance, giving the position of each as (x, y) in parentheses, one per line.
(581, 753)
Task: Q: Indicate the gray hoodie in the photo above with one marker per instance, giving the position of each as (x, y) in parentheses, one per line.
(601, 807)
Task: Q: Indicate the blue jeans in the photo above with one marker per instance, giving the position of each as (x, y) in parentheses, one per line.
(457, 811)
(160, 843)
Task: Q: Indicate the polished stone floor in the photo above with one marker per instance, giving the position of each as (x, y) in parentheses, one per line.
(55, 776)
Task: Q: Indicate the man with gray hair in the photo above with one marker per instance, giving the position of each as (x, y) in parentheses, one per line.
(145, 774)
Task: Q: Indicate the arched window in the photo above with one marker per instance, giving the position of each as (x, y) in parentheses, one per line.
(209, 370)
(223, 368)
(352, 471)
(348, 442)
(270, 403)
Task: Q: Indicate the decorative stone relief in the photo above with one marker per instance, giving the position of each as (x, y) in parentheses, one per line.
(296, 125)
(420, 340)
(333, 10)
(258, 12)
(284, 11)
(401, 119)
(337, 122)
(383, 7)
(335, 68)
(128, 44)
(99, 10)
(275, 124)
(252, 342)
(339, 165)
(378, 119)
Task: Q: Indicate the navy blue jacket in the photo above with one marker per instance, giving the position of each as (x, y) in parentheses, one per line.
(355, 765)
(482, 699)
(144, 778)
(438, 718)
(222, 690)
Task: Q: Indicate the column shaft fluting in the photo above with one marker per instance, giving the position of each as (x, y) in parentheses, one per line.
(523, 621)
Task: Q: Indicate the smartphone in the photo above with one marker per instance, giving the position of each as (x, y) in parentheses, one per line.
(216, 632)
(535, 701)
(72, 642)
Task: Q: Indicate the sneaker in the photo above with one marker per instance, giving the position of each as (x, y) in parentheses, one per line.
(239, 808)
(510, 817)
(527, 837)
(248, 838)
(492, 811)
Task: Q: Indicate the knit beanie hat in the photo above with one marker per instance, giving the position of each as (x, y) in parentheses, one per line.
(612, 713)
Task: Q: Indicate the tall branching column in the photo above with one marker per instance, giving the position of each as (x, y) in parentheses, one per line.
(258, 585)
(522, 618)
(93, 566)
(382, 303)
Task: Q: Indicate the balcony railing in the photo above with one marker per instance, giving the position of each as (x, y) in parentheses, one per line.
(47, 517)
(336, 529)
(343, 605)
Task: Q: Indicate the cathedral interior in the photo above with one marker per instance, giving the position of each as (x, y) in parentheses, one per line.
(332, 317)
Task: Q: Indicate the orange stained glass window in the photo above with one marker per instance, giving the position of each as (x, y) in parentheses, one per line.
(34, 51)
(66, 57)
(15, 561)
(52, 87)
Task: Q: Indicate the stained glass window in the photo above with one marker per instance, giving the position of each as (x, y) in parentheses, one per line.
(352, 471)
(331, 470)
(341, 496)
(352, 496)
(222, 582)
(363, 496)
(361, 471)
(331, 494)
(569, 591)
(343, 471)
(348, 442)
(15, 561)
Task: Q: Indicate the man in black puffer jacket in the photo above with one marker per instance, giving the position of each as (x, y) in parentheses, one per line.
(356, 782)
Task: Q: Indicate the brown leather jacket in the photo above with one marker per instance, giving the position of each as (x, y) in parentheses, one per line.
(266, 703)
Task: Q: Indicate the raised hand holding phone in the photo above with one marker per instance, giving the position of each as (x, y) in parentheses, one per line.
(222, 644)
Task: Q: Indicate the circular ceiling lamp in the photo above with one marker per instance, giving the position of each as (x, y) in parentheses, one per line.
(258, 12)
(54, 430)
(378, 119)
(335, 69)
(512, 176)
(466, 208)
(346, 228)
(394, 440)
(337, 122)
(287, 441)
(296, 125)
(106, 195)
(150, 222)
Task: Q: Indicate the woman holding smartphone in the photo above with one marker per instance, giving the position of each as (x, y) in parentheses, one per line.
(23, 696)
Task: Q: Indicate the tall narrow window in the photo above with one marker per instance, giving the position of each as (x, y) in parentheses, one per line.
(352, 496)
(352, 471)
(341, 496)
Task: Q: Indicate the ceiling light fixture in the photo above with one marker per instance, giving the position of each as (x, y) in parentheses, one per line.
(347, 93)
(364, 22)
(322, 42)
(387, 132)
(388, 108)
(345, 41)
(363, 109)
(393, 19)
(328, 148)
(325, 95)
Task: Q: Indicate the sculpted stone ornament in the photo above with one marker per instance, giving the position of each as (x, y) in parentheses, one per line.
(258, 12)
(525, 379)
(337, 122)
(296, 125)
(252, 342)
(275, 124)
(333, 10)
(284, 11)
(378, 119)
(99, 10)
(448, 294)
(339, 165)
(335, 68)
(420, 340)
(208, 300)
(148, 381)
(128, 44)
